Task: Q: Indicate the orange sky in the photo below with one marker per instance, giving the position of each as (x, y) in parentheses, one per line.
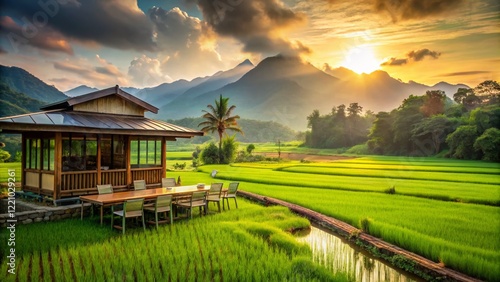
(146, 43)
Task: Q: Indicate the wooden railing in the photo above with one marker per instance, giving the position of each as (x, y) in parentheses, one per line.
(152, 175)
(115, 177)
(78, 180)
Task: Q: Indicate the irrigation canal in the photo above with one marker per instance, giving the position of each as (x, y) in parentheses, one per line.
(337, 255)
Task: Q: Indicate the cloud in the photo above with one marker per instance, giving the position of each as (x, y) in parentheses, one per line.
(464, 73)
(145, 71)
(102, 75)
(46, 39)
(419, 55)
(412, 56)
(401, 10)
(2, 50)
(260, 25)
(187, 44)
(115, 23)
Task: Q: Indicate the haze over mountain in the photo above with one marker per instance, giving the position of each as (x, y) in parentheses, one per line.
(22, 81)
(281, 88)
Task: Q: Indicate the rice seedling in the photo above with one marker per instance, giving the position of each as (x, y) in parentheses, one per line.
(223, 245)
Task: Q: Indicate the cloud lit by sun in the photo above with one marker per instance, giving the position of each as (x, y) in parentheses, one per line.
(361, 59)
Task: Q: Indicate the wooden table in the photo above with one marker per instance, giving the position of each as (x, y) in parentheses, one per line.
(121, 197)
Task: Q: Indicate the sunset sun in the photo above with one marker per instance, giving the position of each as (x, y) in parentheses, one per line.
(361, 59)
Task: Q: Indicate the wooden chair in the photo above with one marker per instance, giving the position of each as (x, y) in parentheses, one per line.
(168, 182)
(197, 199)
(231, 193)
(214, 194)
(104, 189)
(131, 209)
(163, 204)
(139, 185)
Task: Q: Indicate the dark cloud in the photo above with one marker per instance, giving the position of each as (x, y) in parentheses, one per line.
(46, 39)
(401, 10)
(464, 73)
(412, 56)
(114, 23)
(259, 25)
(395, 62)
(419, 55)
(2, 50)
(415, 9)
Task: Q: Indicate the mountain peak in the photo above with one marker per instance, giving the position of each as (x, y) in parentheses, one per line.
(246, 62)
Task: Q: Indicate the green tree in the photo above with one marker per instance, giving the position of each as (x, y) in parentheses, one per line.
(431, 133)
(406, 118)
(250, 148)
(489, 144)
(461, 142)
(229, 149)
(434, 101)
(381, 135)
(489, 92)
(219, 119)
(4, 156)
(210, 155)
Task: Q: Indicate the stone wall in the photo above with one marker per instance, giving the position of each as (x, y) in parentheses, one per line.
(27, 213)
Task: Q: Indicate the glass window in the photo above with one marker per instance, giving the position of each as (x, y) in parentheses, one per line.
(48, 154)
(113, 152)
(145, 153)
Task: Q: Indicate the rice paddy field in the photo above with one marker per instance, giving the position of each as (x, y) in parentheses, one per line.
(246, 244)
(445, 210)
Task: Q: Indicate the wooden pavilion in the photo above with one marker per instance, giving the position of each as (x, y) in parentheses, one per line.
(99, 138)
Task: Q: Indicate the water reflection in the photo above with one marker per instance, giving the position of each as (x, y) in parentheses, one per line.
(336, 255)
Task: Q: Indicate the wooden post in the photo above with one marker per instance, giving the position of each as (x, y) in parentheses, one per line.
(40, 166)
(98, 161)
(57, 165)
(163, 157)
(25, 153)
(127, 159)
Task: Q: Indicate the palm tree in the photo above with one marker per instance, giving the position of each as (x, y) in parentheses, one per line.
(219, 119)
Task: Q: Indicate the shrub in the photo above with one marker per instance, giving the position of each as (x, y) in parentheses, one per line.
(391, 190)
(489, 144)
(210, 155)
(229, 149)
(361, 149)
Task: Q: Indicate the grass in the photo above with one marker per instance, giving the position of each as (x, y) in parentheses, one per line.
(356, 181)
(5, 167)
(245, 244)
(460, 235)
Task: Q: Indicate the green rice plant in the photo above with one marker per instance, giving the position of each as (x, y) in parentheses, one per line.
(480, 178)
(442, 190)
(47, 276)
(35, 272)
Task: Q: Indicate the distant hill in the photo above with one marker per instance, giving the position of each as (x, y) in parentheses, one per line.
(286, 90)
(167, 92)
(80, 90)
(22, 81)
(16, 103)
(255, 130)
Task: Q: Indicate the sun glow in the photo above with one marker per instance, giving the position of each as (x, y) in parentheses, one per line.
(361, 59)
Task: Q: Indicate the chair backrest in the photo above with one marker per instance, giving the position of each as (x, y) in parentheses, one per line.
(163, 201)
(215, 189)
(168, 182)
(198, 196)
(105, 189)
(139, 185)
(233, 188)
(133, 205)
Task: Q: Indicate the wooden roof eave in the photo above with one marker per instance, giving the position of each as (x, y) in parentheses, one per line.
(20, 128)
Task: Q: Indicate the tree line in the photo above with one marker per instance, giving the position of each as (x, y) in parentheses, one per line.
(466, 127)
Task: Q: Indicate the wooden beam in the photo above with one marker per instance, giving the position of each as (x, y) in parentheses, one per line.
(24, 151)
(57, 165)
(98, 161)
(127, 160)
(163, 157)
